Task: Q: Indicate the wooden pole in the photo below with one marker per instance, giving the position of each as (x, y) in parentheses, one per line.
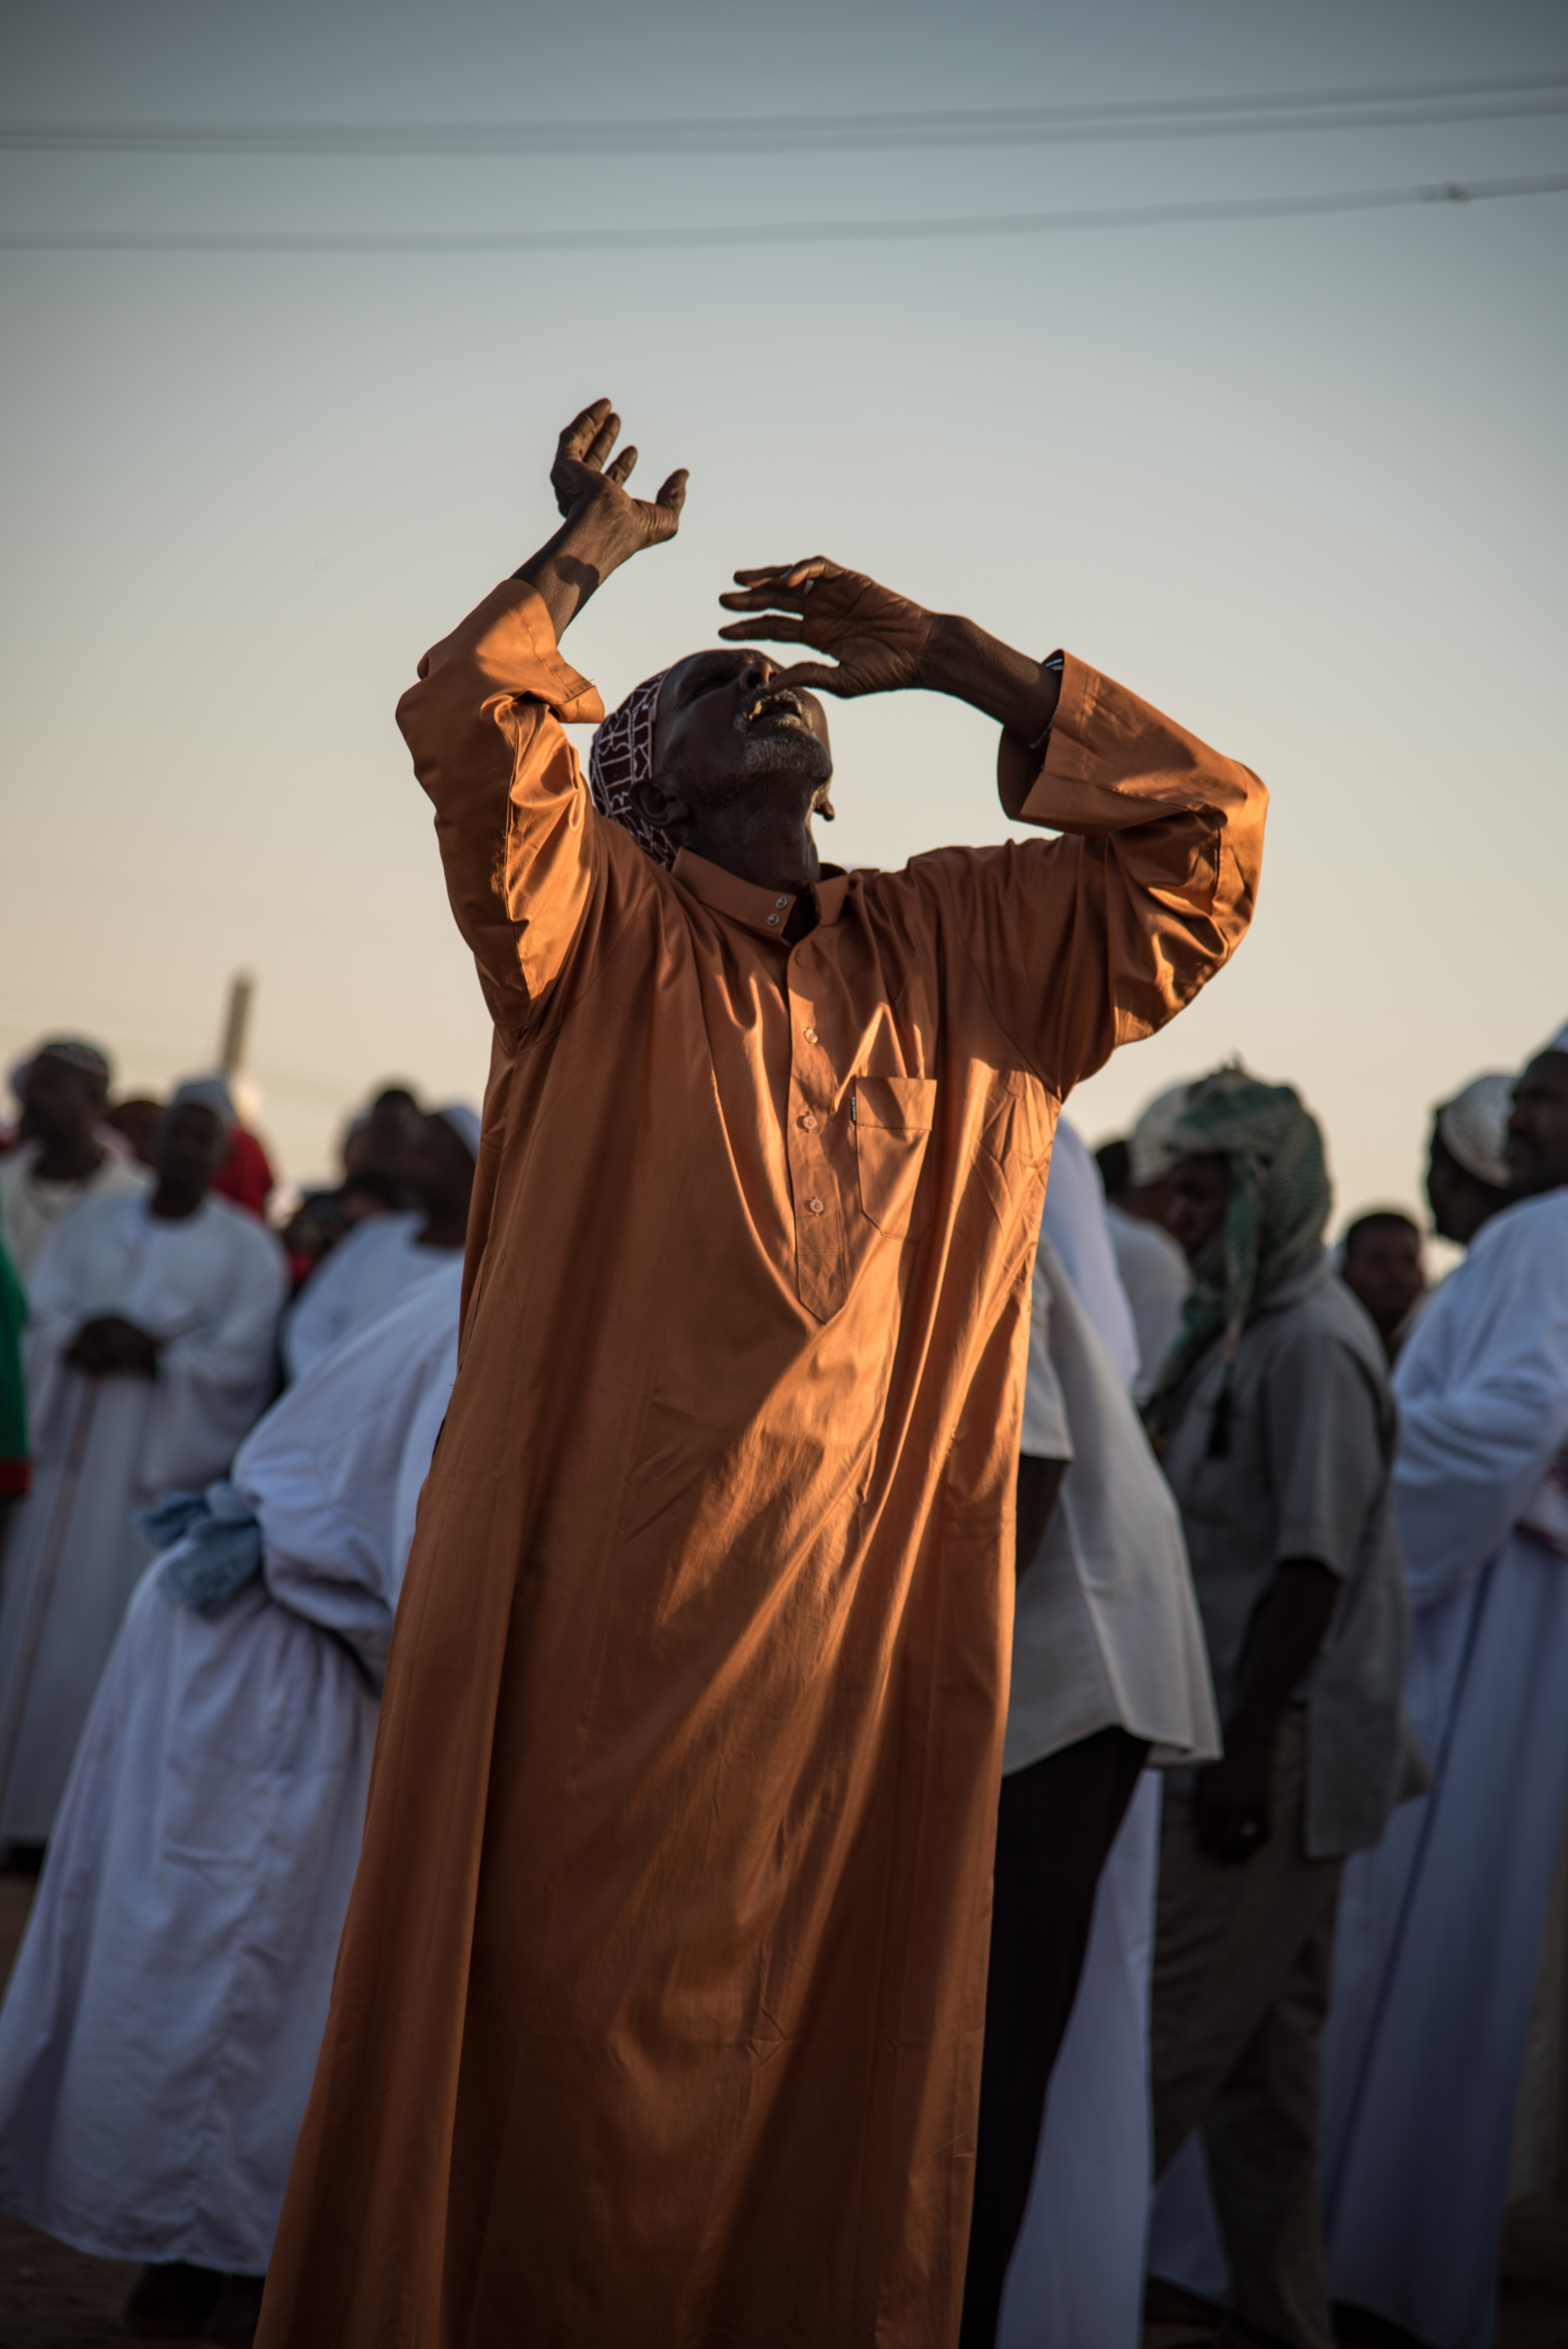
(236, 1024)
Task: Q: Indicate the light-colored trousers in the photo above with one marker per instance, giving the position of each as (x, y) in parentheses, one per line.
(1242, 1966)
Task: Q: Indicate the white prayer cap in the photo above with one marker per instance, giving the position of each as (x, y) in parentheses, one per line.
(1473, 1127)
(464, 1122)
(1150, 1155)
(207, 1092)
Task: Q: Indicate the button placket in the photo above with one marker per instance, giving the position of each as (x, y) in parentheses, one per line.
(819, 1210)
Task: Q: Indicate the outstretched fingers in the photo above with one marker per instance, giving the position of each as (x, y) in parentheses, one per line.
(603, 441)
(776, 628)
(579, 434)
(621, 470)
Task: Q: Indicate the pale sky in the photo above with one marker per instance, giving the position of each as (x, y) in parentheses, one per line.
(1299, 481)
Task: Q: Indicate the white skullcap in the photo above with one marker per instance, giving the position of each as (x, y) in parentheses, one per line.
(1473, 1127)
(207, 1092)
(464, 1122)
(1150, 1155)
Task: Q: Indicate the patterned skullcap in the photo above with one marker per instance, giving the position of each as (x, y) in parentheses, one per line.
(622, 754)
(74, 1054)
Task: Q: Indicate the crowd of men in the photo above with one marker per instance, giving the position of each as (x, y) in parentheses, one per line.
(974, 1742)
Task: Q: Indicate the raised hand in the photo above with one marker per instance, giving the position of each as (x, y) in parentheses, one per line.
(584, 482)
(880, 641)
(603, 527)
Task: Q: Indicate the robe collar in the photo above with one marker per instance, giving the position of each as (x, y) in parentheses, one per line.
(764, 911)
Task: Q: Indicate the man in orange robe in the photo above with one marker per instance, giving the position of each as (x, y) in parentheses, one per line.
(658, 2015)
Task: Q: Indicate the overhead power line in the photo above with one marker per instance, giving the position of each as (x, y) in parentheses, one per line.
(740, 233)
(1493, 98)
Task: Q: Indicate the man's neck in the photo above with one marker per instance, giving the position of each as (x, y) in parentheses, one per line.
(68, 1162)
(770, 848)
(173, 1203)
(443, 1227)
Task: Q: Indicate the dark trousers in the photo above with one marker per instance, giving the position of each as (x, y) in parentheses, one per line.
(1055, 1826)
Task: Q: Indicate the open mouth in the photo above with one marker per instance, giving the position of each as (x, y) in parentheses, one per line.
(773, 711)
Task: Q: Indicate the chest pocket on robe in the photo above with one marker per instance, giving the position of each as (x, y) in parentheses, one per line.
(892, 1118)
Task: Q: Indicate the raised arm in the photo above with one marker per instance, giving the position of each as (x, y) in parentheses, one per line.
(1096, 939)
(484, 726)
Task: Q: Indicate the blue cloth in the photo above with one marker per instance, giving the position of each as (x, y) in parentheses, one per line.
(213, 1543)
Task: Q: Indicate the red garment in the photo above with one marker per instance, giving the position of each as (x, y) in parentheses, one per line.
(246, 1174)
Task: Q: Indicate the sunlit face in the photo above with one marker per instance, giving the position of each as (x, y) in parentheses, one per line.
(722, 731)
(1200, 1191)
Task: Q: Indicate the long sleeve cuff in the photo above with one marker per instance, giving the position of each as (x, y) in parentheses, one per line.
(1110, 761)
(509, 641)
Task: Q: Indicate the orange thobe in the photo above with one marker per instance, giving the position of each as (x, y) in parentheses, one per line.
(658, 2013)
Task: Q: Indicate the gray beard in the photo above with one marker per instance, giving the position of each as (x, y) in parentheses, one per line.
(788, 754)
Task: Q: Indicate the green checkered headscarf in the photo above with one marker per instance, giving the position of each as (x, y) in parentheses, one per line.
(1275, 1217)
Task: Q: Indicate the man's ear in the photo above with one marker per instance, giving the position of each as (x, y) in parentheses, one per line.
(661, 802)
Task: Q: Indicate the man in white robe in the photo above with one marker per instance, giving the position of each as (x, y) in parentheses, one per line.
(1440, 1926)
(151, 1352)
(161, 2029)
(62, 1158)
(1108, 1662)
(1154, 1272)
(383, 1256)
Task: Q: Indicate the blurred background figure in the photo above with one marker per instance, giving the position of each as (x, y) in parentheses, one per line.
(1153, 1270)
(382, 1256)
(1468, 1175)
(15, 1463)
(1442, 1924)
(1107, 1663)
(61, 1158)
(1380, 1263)
(378, 1153)
(1276, 1430)
(133, 1120)
(313, 1230)
(246, 1174)
(150, 1352)
(178, 1962)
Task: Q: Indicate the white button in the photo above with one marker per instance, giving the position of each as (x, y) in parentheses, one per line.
(810, 1123)
(816, 1207)
(773, 921)
(811, 1035)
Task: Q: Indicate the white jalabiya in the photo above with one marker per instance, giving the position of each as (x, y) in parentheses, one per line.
(1440, 1927)
(1106, 1627)
(32, 1208)
(1155, 1275)
(210, 1286)
(378, 1262)
(1114, 1592)
(161, 2033)
(1075, 1223)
